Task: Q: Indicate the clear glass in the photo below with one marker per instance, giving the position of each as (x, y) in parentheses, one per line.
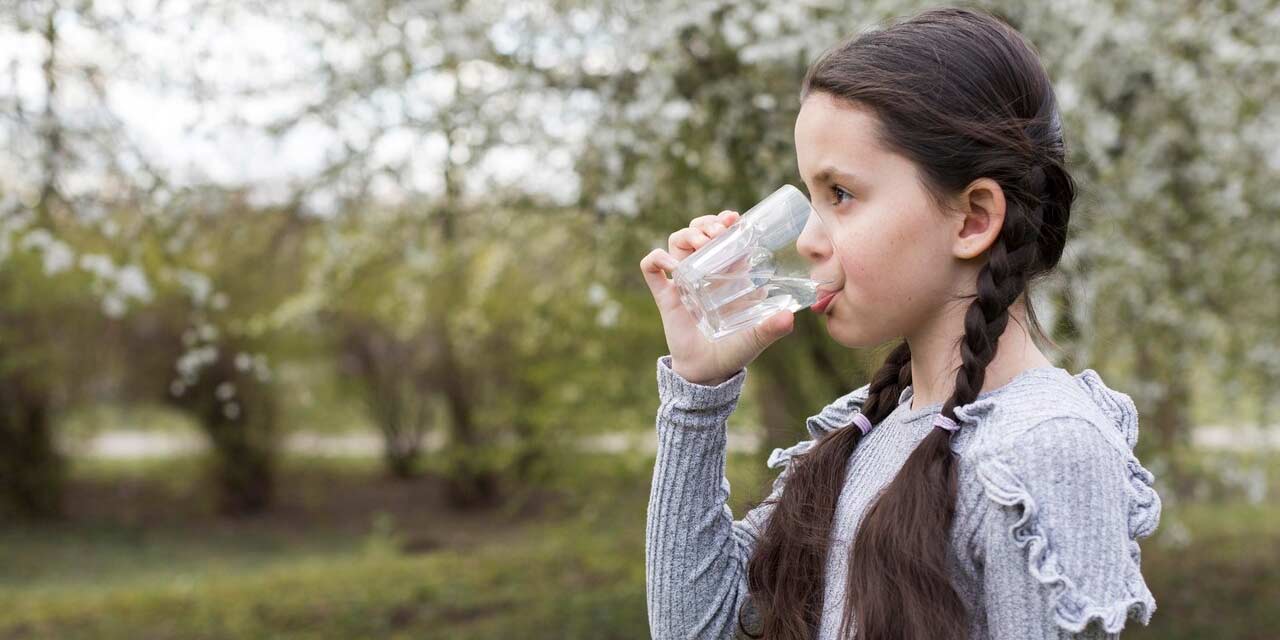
(753, 269)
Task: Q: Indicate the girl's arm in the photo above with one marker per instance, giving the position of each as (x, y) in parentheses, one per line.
(695, 553)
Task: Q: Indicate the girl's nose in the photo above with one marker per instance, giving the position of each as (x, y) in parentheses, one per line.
(814, 243)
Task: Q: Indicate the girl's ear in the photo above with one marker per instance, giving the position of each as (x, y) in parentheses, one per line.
(982, 206)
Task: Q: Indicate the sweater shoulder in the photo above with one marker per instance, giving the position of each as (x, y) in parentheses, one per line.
(1008, 420)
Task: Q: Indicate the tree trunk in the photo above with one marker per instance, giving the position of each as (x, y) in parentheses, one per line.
(470, 482)
(1167, 418)
(31, 470)
(241, 429)
(391, 383)
(245, 464)
(797, 378)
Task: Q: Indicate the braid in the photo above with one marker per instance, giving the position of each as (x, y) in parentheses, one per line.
(887, 384)
(1002, 279)
(796, 536)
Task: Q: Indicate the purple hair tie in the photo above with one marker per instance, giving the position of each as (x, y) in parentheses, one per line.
(864, 424)
(943, 422)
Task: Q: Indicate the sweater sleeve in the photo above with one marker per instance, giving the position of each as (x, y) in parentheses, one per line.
(1058, 544)
(695, 552)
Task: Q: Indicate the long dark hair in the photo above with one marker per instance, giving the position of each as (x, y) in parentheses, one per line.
(964, 96)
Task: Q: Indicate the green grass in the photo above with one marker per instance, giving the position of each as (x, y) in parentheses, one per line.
(572, 569)
(559, 583)
(349, 554)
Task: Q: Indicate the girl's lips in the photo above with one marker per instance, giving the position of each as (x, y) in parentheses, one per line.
(821, 305)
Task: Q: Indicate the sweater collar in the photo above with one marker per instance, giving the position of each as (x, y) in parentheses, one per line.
(1116, 406)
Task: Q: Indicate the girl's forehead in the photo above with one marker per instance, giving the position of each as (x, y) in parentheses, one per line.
(833, 135)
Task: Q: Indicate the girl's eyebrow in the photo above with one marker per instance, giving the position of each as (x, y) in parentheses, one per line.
(831, 174)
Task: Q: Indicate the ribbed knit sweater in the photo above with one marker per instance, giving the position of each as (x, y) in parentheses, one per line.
(1050, 506)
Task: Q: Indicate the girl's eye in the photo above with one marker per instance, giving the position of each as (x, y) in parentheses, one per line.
(839, 194)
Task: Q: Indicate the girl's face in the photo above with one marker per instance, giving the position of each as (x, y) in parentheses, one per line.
(881, 238)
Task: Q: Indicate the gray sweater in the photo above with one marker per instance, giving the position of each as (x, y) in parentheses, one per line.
(1050, 505)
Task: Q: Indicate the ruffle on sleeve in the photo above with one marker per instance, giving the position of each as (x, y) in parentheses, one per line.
(782, 457)
(839, 414)
(1081, 513)
(1122, 414)
(836, 415)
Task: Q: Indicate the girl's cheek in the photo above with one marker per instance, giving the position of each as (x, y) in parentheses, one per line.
(854, 262)
(870, 279)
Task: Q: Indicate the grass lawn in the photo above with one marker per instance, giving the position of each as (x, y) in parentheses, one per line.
(350, 554)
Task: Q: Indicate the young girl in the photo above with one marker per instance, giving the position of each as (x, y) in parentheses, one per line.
(972, 489)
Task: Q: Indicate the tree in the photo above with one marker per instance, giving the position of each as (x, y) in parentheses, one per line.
(71, 171)
(414, 252)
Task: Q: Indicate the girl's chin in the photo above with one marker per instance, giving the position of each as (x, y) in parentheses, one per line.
(846, 335)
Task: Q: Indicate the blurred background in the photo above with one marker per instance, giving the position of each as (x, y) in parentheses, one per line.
(324, 319)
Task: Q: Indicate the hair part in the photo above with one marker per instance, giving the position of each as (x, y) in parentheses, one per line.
(963, 96)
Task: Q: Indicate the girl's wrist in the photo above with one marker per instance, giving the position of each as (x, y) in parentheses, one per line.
(698, 378)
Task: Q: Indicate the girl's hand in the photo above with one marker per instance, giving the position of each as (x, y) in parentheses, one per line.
(693, 356)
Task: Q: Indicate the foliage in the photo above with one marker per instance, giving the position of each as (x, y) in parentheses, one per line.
(461, 191)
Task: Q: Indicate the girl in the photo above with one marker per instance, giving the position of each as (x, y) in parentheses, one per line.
(972, 489)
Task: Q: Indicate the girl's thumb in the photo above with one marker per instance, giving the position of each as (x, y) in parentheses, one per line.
(774, 328)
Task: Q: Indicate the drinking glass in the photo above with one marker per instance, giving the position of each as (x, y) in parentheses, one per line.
(751, 270)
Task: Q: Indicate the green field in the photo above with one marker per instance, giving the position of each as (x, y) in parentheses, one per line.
(350, 554)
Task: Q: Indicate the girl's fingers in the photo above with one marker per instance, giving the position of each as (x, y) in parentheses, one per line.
(655, 267)
(699, 232)
(686, 241)
(712, 227)
(702, 222)
(715, 225)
